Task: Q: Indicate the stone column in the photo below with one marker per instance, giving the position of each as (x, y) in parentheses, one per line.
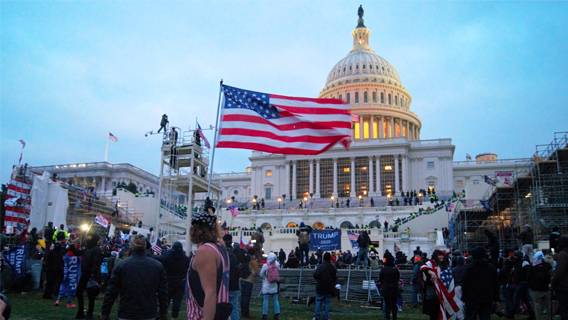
(371, 177)
(361, 127)
(287, 182)
(103, 182)
(392, 131)
(378, 176)
(396, 176)
(335, 177)
(404, 173)
(406, 130)
(318, 184)
(293, 196)
(381, 128)
(371, 127)
(352, 193)
(311, 177)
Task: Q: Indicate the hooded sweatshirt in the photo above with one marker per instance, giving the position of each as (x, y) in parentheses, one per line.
(268, 287)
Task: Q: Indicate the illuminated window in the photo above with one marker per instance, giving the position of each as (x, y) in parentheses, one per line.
(357, 130)
(365, 97)
(388, 167)
(268, 173)
(397, 129)
(348, 97)
(366, 129)
(346, 169)
(356, 97)
(404, 132)
(375, 129)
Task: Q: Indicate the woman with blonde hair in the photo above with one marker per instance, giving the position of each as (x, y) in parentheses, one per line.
(208, 273)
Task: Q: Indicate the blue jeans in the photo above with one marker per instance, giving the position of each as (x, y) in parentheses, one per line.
(275, 302)
(234, 301)
(362, 253)
(322, 302)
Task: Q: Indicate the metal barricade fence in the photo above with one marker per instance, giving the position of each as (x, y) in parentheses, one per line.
(357, 285)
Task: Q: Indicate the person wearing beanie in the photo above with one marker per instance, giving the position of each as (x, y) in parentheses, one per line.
(560, 277)
(326, 278)
(90, 279)
(209, 270)
(148, 298)
(176, 263)
(389, 280)
(270, 286)
(479, 286)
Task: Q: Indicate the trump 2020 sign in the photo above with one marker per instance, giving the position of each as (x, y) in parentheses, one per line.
(326, 240)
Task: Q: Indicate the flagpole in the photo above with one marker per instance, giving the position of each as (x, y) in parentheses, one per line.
(214, 139)
(23, 145)
(106, 149)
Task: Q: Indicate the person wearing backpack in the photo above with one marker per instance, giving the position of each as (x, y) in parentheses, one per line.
(304, 243)
(539, 282)
(270, 274)
(363, 241)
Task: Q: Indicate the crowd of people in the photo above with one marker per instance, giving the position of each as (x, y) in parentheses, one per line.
(217, 279)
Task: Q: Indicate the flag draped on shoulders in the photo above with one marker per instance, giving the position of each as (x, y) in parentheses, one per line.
(451, 307)
(282, 124)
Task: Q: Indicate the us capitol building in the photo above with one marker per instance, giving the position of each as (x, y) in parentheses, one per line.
(386, 160)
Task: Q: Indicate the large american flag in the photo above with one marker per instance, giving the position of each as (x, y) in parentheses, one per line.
(451, 306)
(281, 124)
(18, 204)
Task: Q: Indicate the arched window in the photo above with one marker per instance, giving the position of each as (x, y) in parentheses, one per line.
(396, 100)
(382, 97)
(348, 97)
(356, 97)
(346, 225)
(365, 97)
(340, 97)
(390, 99)
(375, 96)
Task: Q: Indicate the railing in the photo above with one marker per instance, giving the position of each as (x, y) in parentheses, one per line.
(560, 140)
(431, 142)
(520, 162)
(99, 165)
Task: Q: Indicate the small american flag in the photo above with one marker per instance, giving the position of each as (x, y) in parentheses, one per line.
(156, 248)
(233, 210)
(281, 124)
(202, 136)
(112, 137)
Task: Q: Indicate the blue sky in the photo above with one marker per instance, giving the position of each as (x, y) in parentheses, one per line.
(493, 76)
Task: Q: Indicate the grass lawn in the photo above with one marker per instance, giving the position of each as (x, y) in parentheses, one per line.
(32, 307)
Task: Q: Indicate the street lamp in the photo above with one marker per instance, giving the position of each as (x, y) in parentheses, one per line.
(360, 200)
(279, 202)
(85, 227)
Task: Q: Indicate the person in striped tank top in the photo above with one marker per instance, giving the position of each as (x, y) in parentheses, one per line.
(208, 273)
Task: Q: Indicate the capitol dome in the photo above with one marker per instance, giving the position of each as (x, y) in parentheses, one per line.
(372, 86)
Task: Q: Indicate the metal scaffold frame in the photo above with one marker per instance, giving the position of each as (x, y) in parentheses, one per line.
(538, 197)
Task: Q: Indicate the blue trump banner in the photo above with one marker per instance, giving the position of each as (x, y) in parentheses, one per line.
(71, 272)
(326, 240)
(16, 258)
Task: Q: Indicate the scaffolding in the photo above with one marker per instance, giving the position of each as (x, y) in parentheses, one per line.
(184, 167)
(537, 196)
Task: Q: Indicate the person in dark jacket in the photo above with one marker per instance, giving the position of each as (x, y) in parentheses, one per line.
(363, 241)
(479, 286)
(175, 263)
(281, 257)
(539, 282)
(389, 281)
(560, 277)
(234, 288)
(326, 277)
(141, 282)
(90, 279)
(53, 264)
